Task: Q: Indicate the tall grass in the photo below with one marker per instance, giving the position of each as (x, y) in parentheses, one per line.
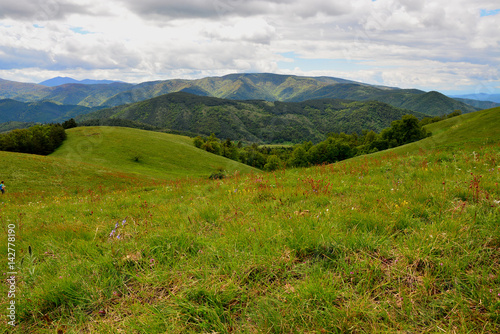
(381, 244)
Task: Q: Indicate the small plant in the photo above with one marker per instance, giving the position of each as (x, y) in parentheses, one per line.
(219, 174)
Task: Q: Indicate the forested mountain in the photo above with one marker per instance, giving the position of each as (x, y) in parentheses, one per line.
(45, 111)
(256, 121)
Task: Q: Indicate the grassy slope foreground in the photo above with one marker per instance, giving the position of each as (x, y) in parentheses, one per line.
(395, 242)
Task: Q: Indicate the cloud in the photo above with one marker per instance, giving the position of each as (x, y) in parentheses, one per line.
(40, 10)
(403, 42)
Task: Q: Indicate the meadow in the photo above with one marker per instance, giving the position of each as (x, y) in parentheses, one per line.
(402, 241)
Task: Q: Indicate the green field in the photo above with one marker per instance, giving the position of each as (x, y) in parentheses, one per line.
(402, 241)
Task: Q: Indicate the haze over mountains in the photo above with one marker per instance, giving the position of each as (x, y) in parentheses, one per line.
(57, 81)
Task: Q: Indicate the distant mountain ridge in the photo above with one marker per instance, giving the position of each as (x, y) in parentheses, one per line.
(246, 86)
(479, 97)
(44, 111)
(57, 81)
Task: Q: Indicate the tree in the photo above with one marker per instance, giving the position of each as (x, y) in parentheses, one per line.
(71, 123)
(273, 163)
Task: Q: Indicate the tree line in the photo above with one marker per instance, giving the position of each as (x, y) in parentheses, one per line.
(37, 139)
(338, 146)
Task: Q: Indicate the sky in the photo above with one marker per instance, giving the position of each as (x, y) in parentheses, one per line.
(452, 46)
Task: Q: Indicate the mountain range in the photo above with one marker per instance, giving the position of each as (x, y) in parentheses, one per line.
(254, 107)
(246, 86)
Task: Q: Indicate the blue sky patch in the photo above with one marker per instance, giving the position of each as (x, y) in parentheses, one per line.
(486, 12)
(80, 30)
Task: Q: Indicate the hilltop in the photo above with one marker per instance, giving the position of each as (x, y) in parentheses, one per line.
(154, 154)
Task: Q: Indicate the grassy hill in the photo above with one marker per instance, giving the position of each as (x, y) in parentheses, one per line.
(155, 154)
(474, 129)
(256, 121)
(110, 157)
(400, 241)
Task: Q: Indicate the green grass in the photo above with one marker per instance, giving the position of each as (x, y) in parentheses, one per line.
(154, 154)
(395, 242)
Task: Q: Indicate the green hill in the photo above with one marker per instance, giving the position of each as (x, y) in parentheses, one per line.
(29, 175)
(155, 154)
(472, 129)
(256, 121)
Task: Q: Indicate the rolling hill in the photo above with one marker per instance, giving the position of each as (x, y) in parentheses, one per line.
(472, 129)
(154, 154)
(256, 121)
(111, 157)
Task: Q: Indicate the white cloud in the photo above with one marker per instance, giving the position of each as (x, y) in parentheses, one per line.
(434, 44)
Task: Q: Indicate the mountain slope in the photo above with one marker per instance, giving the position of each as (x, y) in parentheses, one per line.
(243, 86)
(473, 129)
(256, 121)
(45, 111)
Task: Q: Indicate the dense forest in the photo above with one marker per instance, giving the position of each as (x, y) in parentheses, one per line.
(338, 146)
